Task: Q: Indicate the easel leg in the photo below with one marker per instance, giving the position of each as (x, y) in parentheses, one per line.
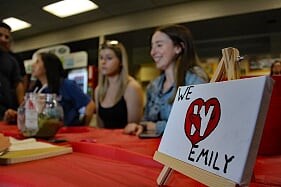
(164, 175)
(218, 75)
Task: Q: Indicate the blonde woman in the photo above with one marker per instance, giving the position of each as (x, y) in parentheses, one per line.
(118, 96)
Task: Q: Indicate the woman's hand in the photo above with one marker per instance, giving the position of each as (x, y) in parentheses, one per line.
(10, 116)
(4, 143)
(133, 128)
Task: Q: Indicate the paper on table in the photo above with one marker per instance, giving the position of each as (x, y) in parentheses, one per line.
(29, 150)
(26, 144)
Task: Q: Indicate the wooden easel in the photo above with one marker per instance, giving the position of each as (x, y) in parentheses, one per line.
(228, 69)
(189, 170)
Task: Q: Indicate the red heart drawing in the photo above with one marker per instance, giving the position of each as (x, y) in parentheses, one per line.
(199, 119)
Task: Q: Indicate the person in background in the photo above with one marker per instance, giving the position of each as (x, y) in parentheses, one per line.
(118, 96)
(51, 79)
(6, 41)
(174, 54)
(11, 85)
(275, 69)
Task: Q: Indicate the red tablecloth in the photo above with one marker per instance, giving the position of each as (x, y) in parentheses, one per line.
(104, 157)
(79, 169)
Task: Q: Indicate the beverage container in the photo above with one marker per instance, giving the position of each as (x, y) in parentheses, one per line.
(40, 115)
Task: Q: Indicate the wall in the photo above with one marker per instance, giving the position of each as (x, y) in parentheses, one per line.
(219, 17)
(187, 12)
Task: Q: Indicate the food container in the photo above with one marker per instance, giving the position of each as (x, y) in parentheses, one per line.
(40, 115)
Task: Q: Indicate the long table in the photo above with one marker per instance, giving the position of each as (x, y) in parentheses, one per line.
(105, 157)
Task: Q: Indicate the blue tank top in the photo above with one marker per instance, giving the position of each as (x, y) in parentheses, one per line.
(114, 117)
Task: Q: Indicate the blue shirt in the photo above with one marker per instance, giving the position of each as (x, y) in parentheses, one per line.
(73, 99)
(157, 107)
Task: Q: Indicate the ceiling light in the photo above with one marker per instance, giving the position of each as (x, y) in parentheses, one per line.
(16, 24)
(113, 42)
(70, 7)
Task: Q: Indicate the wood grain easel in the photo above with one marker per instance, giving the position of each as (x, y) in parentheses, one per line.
(228, 69)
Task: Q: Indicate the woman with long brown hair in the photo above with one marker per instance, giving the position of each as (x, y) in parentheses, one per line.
(174, 54)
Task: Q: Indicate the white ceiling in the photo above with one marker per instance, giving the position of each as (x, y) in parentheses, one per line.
(248, 30)
(42, 22)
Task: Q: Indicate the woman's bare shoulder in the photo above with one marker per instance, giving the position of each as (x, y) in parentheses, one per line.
(133, 85)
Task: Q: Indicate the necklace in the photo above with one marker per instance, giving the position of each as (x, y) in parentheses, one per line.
(41, 89)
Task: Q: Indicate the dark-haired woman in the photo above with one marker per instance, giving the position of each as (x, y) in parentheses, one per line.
(50, 75)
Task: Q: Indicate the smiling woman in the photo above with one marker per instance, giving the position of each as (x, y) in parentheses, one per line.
(174, 54)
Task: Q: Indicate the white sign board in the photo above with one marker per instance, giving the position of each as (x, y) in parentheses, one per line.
(75, 60)
(80, 76)
(70, 60)
(217, 126)
(59, 50)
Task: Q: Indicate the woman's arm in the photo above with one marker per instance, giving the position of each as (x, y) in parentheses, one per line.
(137, 129)
(134, 101)
(89, 111)
(98, 120)
(10, 116)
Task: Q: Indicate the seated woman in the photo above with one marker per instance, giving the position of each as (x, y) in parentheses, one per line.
(174, 54)
(275, 69)
(51, 79)
(118, 96)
